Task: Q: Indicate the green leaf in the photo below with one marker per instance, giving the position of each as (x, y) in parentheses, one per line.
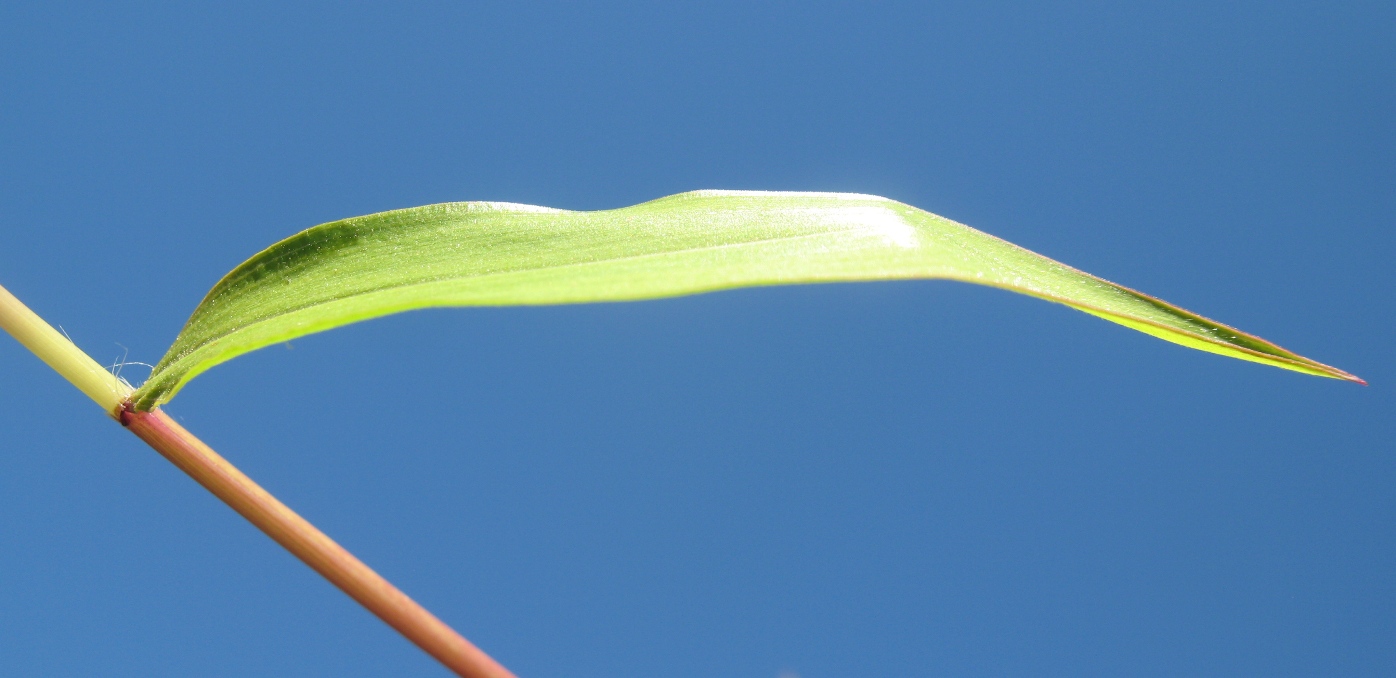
(498, 254)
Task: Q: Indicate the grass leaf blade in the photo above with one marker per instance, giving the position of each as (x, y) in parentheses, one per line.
(495, 254)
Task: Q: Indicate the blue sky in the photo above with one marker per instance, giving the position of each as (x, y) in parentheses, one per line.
(914, 478)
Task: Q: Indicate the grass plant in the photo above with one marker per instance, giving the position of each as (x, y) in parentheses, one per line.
(497, 254)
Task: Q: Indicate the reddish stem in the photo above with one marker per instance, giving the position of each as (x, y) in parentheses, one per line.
(311, 545)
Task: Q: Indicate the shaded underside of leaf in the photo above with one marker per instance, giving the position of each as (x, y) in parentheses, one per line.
(500, 254)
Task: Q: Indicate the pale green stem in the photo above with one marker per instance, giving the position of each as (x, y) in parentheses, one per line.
(62, 355)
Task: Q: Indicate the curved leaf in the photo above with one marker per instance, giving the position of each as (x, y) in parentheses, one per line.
(493, 254)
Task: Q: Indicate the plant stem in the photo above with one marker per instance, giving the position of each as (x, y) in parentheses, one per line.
(311, 545)
(255, 504)
(60, 354)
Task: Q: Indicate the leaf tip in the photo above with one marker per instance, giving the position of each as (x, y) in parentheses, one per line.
(1335, 373)
(1353, 378)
